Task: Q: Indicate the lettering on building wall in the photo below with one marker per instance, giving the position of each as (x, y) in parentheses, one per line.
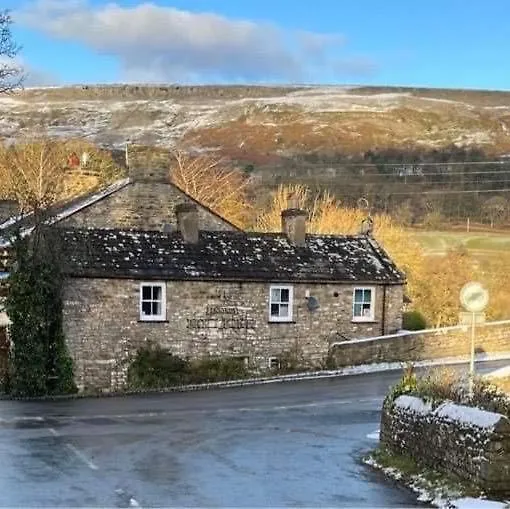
(220, 323)
(227, 315)
(221, 310)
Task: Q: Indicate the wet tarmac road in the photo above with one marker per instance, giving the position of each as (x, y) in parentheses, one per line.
(276, 445)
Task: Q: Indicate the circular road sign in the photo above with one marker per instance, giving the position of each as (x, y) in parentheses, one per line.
(474, 297)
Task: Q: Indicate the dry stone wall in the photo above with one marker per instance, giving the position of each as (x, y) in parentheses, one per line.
(433, 344)
(471, 443)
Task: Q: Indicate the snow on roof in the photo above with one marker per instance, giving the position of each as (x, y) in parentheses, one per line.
(225, 255)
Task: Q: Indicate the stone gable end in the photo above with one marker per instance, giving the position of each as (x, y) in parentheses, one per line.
(142, 206)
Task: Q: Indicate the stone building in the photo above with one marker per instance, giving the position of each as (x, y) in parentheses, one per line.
(146, 263)
(197, 292)
(144, 200)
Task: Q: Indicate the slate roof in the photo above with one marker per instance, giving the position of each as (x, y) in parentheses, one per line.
(62, 211)
(226, 256)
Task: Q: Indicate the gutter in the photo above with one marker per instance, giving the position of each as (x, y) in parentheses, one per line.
(383, 318)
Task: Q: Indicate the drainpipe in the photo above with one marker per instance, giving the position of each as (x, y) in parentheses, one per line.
(383, 318)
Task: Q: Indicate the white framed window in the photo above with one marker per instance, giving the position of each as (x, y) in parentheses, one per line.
(152, 302)
(280, 303)
(363, 304)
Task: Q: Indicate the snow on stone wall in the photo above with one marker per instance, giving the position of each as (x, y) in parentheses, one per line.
(471, 443)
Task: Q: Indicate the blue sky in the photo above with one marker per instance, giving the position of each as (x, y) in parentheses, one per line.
(439, 43)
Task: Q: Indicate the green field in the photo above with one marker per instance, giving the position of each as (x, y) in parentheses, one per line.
(480, 244)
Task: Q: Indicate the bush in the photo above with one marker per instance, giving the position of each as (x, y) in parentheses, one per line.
(154, 367)
(216, 369)
(414, 320)
(406, 385)
(439, 385)
(39, 362)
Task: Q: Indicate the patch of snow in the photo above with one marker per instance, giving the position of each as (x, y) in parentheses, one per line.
(473, 138)
(468, 415)
(476, 503)
(417, 405)
(440, 100)
(438, 495)
(502, 107)
(375, 435)
(499, 373)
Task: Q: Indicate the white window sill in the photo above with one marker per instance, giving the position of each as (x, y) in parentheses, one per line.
(364, 320)
(153, 319)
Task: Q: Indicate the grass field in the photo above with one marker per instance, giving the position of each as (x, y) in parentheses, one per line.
(480, 244)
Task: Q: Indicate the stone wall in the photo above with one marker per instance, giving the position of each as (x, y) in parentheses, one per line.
(472, 444)
(101, 320)
(433, 344)
(144, 205)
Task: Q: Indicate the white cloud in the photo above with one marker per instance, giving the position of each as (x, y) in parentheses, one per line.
(156, 43)
(33, 77)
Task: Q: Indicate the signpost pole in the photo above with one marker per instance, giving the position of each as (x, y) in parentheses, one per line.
(474, 299)
(472, 356)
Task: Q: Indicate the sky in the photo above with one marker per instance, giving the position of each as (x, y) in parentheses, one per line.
(431, 43)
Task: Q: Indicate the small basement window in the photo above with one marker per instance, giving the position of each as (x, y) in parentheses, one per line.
(152, 302)
(363, 304)
(280, 303)
(274, 363)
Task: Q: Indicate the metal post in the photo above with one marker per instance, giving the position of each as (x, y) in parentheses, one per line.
(472, 356)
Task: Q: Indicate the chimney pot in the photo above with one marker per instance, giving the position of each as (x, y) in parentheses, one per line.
(187, 222)
(294, 225)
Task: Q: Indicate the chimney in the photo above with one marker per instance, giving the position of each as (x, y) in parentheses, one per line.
(187, 222)
(148, 165)
(294, 225)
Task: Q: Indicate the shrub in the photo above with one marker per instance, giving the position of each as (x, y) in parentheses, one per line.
(216, 369)
(439, 385)
(39, 362)
(406, 385)
(414, 320)
(154, 367)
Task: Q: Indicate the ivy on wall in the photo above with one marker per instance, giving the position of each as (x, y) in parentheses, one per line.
(39, 360)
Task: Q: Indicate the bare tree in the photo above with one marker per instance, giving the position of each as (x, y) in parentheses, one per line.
(11, 74)
(215, 183)
(32, 173)
(495, 209)
(38, 172)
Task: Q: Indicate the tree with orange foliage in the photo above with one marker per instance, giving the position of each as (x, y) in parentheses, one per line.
(214, 183)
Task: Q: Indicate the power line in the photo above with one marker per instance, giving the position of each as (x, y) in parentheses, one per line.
(423, 184)
(425, 174)
(421, 163)
(447, 192)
